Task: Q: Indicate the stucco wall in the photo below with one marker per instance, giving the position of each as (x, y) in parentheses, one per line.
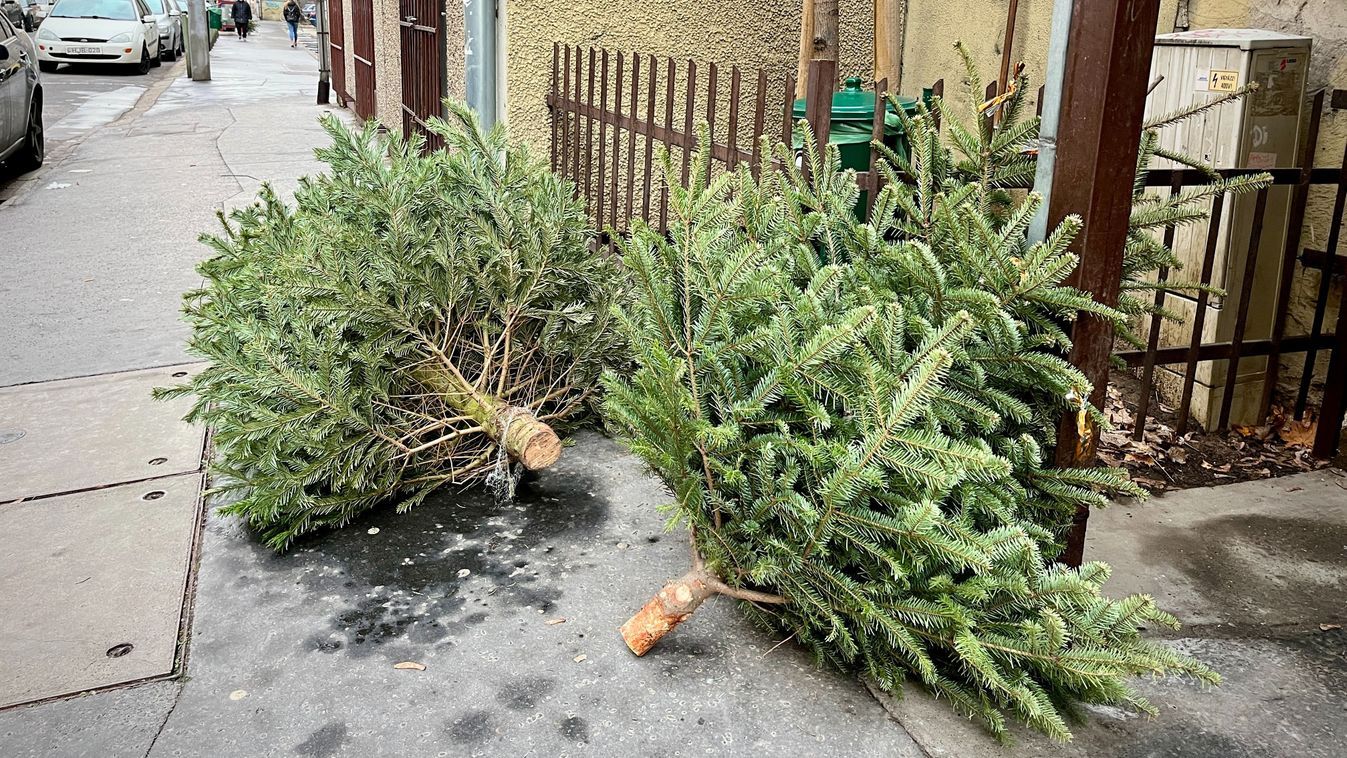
(749, 33)
(388, 64)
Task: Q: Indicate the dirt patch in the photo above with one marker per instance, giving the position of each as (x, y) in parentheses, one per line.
(1164, 460)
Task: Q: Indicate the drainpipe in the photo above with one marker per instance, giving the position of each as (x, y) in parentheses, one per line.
(1052, 111)
(479, 57)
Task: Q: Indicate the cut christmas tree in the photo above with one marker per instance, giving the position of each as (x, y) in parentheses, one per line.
(855, 422)
(417, 319)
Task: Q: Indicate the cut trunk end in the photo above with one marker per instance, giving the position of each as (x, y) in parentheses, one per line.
(528, 440)
(525, 438)
(666, 610)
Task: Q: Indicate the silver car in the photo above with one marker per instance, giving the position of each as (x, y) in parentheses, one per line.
(168, 17)
(21, 139)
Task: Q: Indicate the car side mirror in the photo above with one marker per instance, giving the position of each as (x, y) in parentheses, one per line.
(148, 18)
(175, 13)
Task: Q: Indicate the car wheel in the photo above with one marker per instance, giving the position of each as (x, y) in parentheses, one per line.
(47, 67)
(158, 59)
(169, 53)
(34, 150)
(143, 67)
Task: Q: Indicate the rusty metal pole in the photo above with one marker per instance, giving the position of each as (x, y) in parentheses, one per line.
(1103, 99)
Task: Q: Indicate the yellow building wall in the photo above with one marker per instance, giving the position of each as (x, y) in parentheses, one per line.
(751, 34)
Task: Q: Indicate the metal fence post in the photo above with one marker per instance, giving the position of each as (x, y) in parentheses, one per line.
(1103, 100)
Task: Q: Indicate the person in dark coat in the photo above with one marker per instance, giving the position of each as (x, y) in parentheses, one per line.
(242, 14)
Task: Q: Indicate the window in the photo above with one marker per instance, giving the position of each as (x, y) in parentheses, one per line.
(156, 6)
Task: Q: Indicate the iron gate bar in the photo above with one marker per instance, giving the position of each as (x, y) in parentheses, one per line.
(669, 75)
(589, 137)
(336, 44)
(687, 119)
(1242, 312)
(1325, 286)
(649, 140)
(575, 148)
(732, 129)
(1153, 337)
(1200, 314)
(759, 113)
(1299, 199)
(362, 28)
(1218, 351)
(1318, 259)
(712, 82)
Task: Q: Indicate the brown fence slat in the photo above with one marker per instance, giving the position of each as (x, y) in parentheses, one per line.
(631, 138)
(712, 87)
(588, 157)
(787, 115)
(649, 142)
(876, 135)
(1242, 313)
(616, 154)
(1200, 314)
(575, 148)
(688, 106)
(670, 75)
(759, 114)
(556, 64)
(599, 206)
(732, 129)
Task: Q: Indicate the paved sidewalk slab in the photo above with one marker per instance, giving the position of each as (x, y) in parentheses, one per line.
(293, 654)
(94, 431)
(94, 585)
(1257, 574)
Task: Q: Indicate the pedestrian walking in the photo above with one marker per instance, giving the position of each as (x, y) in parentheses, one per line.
(242, 13)
(293, 14)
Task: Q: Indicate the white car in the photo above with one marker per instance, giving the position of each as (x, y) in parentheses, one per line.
(99, 31)
(169, 18)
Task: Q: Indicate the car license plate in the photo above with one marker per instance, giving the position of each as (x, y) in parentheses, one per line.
(83, 50)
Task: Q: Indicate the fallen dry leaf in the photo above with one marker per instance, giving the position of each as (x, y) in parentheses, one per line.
(554, 622)
(580, 658)
(1294, 489)
(410, 665)
(1329, 627)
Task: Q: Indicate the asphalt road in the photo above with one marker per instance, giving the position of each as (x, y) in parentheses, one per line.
(77, 100)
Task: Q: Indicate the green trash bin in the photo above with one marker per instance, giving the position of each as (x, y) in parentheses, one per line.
(215, 18)
(853, 120)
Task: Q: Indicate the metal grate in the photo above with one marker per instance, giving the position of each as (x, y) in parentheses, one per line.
(362, 29)
(423, 66)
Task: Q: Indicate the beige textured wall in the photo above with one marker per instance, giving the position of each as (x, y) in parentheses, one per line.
(749, 33)
(388, 64)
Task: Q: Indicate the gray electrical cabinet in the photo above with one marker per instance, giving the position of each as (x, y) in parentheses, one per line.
(1261, 130)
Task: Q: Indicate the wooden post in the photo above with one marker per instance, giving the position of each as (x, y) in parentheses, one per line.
(889, 20)
(806, 48)
(822, 73)
(1103, 100)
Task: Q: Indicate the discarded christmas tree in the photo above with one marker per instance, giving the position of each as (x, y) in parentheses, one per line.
(416, 320)
(852, 420)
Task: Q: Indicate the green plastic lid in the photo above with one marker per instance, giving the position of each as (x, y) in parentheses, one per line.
(855, 104)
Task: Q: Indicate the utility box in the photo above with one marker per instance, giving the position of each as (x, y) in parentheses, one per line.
(1261, 131)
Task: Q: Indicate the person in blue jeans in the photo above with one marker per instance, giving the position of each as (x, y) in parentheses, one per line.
(292, 15)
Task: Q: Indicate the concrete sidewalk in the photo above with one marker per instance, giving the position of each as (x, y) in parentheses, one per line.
(1257, 574)
(108, 243)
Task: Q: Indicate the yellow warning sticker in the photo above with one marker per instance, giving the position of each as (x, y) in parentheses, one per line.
(1221, 80)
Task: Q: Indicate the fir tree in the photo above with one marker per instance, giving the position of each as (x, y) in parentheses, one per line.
(415, 320)
(853, 421)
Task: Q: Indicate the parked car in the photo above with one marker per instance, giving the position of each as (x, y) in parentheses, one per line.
(311, 13)
(23, 14)
(21, 141)
(99, 31)
(168, 17)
